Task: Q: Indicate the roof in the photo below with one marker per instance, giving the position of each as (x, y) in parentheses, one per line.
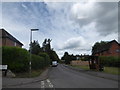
(105, 47)
(5, 34)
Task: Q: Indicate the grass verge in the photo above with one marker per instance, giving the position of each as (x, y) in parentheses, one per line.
(112, 70)
(34, 73)
(109, 70)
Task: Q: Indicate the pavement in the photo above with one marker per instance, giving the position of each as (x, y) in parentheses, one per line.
(96, 73)
(8, 82)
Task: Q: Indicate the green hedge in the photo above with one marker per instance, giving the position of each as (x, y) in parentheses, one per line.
(46, 57)
(113, 61)
(16, 58)
(37, 62)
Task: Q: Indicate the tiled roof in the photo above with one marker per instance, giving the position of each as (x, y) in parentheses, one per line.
(105, 47)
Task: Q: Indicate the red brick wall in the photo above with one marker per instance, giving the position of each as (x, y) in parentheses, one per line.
(112, 51)
(8, 42)
(79, 62)
(0, 41)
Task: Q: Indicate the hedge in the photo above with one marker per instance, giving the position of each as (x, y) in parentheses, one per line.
(18, 59)
(113, 61)
(46, 57)
(37, 62)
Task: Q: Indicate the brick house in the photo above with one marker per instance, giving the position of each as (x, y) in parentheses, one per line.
(111, 48)
(6, 39)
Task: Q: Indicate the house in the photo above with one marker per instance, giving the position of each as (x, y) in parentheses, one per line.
(6, 39)
(111, 48)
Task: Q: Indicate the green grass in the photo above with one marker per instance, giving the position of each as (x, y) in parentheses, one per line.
(34, 73)
(110, 70)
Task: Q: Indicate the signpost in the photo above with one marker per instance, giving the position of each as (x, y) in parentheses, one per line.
(4, 68)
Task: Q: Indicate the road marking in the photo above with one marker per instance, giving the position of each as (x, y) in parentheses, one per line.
(49, 83)
(42, 84)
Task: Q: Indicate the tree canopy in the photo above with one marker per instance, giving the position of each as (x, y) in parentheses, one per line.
(46, 48)
(35, 47)
(97, 45)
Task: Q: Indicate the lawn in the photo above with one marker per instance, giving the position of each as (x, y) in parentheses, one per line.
(110, 70)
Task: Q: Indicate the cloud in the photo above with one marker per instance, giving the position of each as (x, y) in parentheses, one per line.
(104, 14)
(73, 27)
(76, 43)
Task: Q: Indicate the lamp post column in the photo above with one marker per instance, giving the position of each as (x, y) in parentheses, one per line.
(30, 64)
(30, 51)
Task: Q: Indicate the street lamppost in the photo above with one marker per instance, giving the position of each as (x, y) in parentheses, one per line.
(31, 48)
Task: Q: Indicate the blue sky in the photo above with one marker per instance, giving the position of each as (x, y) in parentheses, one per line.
(72, 26)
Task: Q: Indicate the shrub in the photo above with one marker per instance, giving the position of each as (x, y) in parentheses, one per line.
(46, 58)
(16, 58)
(37, 62)
(113, 61)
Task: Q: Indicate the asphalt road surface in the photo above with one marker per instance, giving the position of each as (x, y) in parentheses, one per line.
(63, 77)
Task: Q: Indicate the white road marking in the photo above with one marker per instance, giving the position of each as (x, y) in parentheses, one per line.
(49, 83)
(42, 84)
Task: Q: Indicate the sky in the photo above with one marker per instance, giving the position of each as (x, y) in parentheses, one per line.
(74, 27)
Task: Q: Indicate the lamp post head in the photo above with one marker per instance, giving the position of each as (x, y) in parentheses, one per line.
(34, 29)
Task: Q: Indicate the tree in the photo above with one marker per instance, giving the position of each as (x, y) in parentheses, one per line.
(35, 47)
(46, 45)
(98, 45)
(47, 49)
(67, 58)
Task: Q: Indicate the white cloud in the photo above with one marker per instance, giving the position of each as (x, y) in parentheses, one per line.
(73, 27)
(24, 6)
(76, 43)
(103, 14)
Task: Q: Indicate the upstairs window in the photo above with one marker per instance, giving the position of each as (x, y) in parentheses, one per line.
(15, 44)
(118, 50)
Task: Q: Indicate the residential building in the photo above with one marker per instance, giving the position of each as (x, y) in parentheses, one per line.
(6, 39)
(111, 48)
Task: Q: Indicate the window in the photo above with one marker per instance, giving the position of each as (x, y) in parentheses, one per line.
(15, 44)
(118, 50)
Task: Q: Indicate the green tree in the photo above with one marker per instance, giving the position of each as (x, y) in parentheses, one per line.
(98, 45)
(46, 46)
(67, 58)
(35, 47)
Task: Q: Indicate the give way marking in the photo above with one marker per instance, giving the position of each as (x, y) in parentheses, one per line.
(46, 84)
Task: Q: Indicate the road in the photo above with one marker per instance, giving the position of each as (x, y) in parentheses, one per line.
(63, 77)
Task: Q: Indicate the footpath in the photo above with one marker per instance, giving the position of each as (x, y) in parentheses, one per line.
(95, 73)
(8, 81)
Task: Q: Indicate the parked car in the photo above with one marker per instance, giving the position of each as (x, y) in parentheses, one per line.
(54, 63)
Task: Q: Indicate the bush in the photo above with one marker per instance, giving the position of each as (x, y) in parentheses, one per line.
(46, 58)
(113, 61)
(37, 62)
(40, 61)
(16, 58)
